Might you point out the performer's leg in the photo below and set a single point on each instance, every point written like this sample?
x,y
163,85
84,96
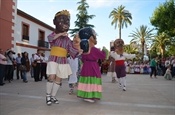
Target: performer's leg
x,y
71,86
124,83
56,86
49,87
120,82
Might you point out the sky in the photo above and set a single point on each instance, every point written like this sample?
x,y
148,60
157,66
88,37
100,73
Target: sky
x,y
141,11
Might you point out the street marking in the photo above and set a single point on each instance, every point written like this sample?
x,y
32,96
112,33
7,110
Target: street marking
x,y
103,103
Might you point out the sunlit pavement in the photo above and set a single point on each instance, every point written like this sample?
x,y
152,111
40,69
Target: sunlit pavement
x,y
143,96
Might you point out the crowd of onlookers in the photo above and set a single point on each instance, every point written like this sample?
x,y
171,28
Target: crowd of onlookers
x,y
37,63
137,67
19,63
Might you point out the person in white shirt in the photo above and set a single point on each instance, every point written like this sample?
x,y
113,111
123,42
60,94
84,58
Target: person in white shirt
x,y
10,65
73,78
32,68
3,62
173,66
43,66
37,68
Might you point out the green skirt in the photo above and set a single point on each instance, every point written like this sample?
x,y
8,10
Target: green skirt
x,y
89,87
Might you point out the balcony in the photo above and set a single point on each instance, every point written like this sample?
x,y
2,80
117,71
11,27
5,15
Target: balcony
x,y
42,43
25,38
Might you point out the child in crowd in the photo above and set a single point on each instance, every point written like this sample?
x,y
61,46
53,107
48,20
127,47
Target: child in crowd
x,y
73,77
168,75
111,68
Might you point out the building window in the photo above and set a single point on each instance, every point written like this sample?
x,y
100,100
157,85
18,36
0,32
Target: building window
x,y
41,39
25,32
41,35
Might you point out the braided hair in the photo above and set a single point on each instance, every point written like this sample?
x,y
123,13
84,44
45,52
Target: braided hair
x,y
85,34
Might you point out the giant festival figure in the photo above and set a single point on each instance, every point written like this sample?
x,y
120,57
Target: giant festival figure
x,y
120,56
61,45
90,82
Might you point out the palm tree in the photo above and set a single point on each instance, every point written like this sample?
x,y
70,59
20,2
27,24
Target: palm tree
x,y
160,42
120,17
130,49
142,36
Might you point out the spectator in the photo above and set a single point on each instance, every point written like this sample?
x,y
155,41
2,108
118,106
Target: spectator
x,y
3,62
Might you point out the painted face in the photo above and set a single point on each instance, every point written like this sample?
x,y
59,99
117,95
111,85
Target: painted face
x,y
62,23
118,43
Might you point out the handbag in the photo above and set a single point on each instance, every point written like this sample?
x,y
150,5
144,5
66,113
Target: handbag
x,y
34,64
22,68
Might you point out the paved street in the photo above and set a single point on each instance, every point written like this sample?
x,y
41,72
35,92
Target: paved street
x,y
144,96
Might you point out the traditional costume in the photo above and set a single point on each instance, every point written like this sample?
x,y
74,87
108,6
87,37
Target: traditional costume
x,y
120,57
57,66
73,78
90,82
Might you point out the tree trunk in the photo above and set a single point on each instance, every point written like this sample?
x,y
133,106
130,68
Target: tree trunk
x,y
120,27
143,47
162,52
162,49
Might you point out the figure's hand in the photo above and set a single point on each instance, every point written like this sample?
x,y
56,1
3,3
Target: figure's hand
x,y
80,51
60,34
63,34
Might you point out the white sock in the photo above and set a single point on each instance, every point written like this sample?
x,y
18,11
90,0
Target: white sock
x,y
49,86
124,81
120,81
55,89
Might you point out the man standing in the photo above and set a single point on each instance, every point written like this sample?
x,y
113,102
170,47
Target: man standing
x,y
18,63
3,62
37,68
10,64
153,65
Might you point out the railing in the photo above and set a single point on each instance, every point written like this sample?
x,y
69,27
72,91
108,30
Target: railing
x,y
24,37
42,43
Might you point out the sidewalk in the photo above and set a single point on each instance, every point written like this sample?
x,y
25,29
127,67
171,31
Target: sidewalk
x,y
143,96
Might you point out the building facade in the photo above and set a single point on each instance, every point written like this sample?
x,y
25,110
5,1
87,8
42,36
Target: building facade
x,y
20,31
7,21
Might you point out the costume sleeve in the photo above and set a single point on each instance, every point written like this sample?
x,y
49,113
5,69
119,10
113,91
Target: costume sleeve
x,y
50,39
129,56
112,54
72,51
100,54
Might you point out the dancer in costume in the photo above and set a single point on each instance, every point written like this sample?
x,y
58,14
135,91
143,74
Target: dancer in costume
x,y
111,69
73,77
90,82
74,64
57,66
119,55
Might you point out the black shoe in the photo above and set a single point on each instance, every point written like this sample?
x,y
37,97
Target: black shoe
x,y
25,81
54,100
2,84
48,100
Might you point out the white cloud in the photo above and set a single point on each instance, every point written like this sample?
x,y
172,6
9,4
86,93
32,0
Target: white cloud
x,y
105,3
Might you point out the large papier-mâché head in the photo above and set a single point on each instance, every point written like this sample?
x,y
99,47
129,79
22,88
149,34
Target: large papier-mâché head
x,y
119,45
62,21
85,34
